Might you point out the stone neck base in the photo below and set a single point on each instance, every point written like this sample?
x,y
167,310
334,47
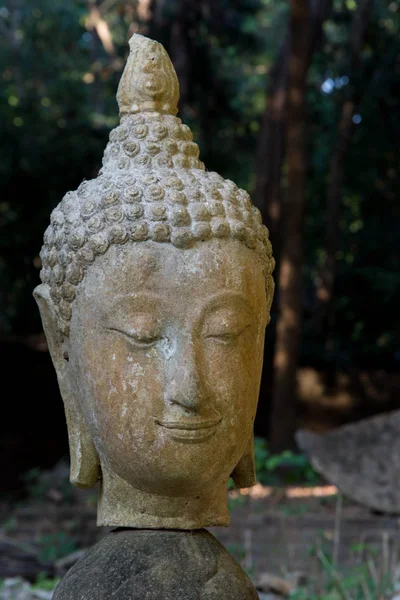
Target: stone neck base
x,y
156,565
122,505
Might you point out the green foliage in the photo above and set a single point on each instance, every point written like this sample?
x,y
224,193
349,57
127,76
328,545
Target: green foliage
x,y
43,582
9,524
56,545
54,129
21,588
355,583
278,469
358,333
369,579
285,468
38,483
294,510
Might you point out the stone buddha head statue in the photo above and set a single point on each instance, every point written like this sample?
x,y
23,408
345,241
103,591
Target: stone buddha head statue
x,y
156,291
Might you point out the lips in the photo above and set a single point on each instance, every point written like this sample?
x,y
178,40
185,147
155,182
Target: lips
x,y
190,430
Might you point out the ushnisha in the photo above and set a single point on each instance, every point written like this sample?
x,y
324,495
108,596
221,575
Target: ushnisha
x,y
156,291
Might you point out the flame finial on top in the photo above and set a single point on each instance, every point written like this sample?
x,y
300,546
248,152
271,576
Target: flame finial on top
x,y
149,82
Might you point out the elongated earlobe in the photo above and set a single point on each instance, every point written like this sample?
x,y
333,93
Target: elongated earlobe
x,y
244,474
85,469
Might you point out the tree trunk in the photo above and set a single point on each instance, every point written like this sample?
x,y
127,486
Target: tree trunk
x,y
271,145
271,141
326,278
305,27
291,229
268,193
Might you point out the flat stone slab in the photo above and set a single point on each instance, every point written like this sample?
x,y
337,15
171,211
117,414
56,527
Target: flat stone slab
x,y
134,564
362,459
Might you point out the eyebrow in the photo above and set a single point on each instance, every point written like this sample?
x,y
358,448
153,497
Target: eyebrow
x,y
137,298
236,297
134,295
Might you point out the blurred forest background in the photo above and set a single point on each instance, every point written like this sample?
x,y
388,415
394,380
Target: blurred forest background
x,y
297,102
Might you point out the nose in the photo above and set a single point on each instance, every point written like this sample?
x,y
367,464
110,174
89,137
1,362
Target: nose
x,y
184,384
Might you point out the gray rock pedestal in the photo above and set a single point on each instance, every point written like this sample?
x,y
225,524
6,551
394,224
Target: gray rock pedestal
x,y
143,564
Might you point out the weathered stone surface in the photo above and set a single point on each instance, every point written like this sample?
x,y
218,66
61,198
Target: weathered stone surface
x,y
156,565
156,293
362,459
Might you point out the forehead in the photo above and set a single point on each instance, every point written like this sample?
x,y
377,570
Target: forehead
x,y
170,272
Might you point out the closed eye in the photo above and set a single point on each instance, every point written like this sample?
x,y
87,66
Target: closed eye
x,y
227,336
141,340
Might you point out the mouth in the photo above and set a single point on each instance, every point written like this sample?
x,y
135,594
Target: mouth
x,y
190,431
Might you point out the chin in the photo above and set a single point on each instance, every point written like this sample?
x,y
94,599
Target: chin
x,y
183,480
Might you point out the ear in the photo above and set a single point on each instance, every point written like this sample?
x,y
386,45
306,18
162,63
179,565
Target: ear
x,y
270,289
244,474
85,468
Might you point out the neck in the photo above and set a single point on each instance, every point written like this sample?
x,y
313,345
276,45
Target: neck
x,y
122,505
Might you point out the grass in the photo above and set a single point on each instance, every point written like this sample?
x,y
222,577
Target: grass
x,y
43,582
374,573
370,580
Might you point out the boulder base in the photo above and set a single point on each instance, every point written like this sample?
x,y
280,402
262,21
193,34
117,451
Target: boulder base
x,y
143,564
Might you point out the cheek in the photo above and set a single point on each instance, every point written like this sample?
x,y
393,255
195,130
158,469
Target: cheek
x,y
122,386
233,373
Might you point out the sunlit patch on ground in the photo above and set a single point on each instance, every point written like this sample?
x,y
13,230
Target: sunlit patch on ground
x,y
264,491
